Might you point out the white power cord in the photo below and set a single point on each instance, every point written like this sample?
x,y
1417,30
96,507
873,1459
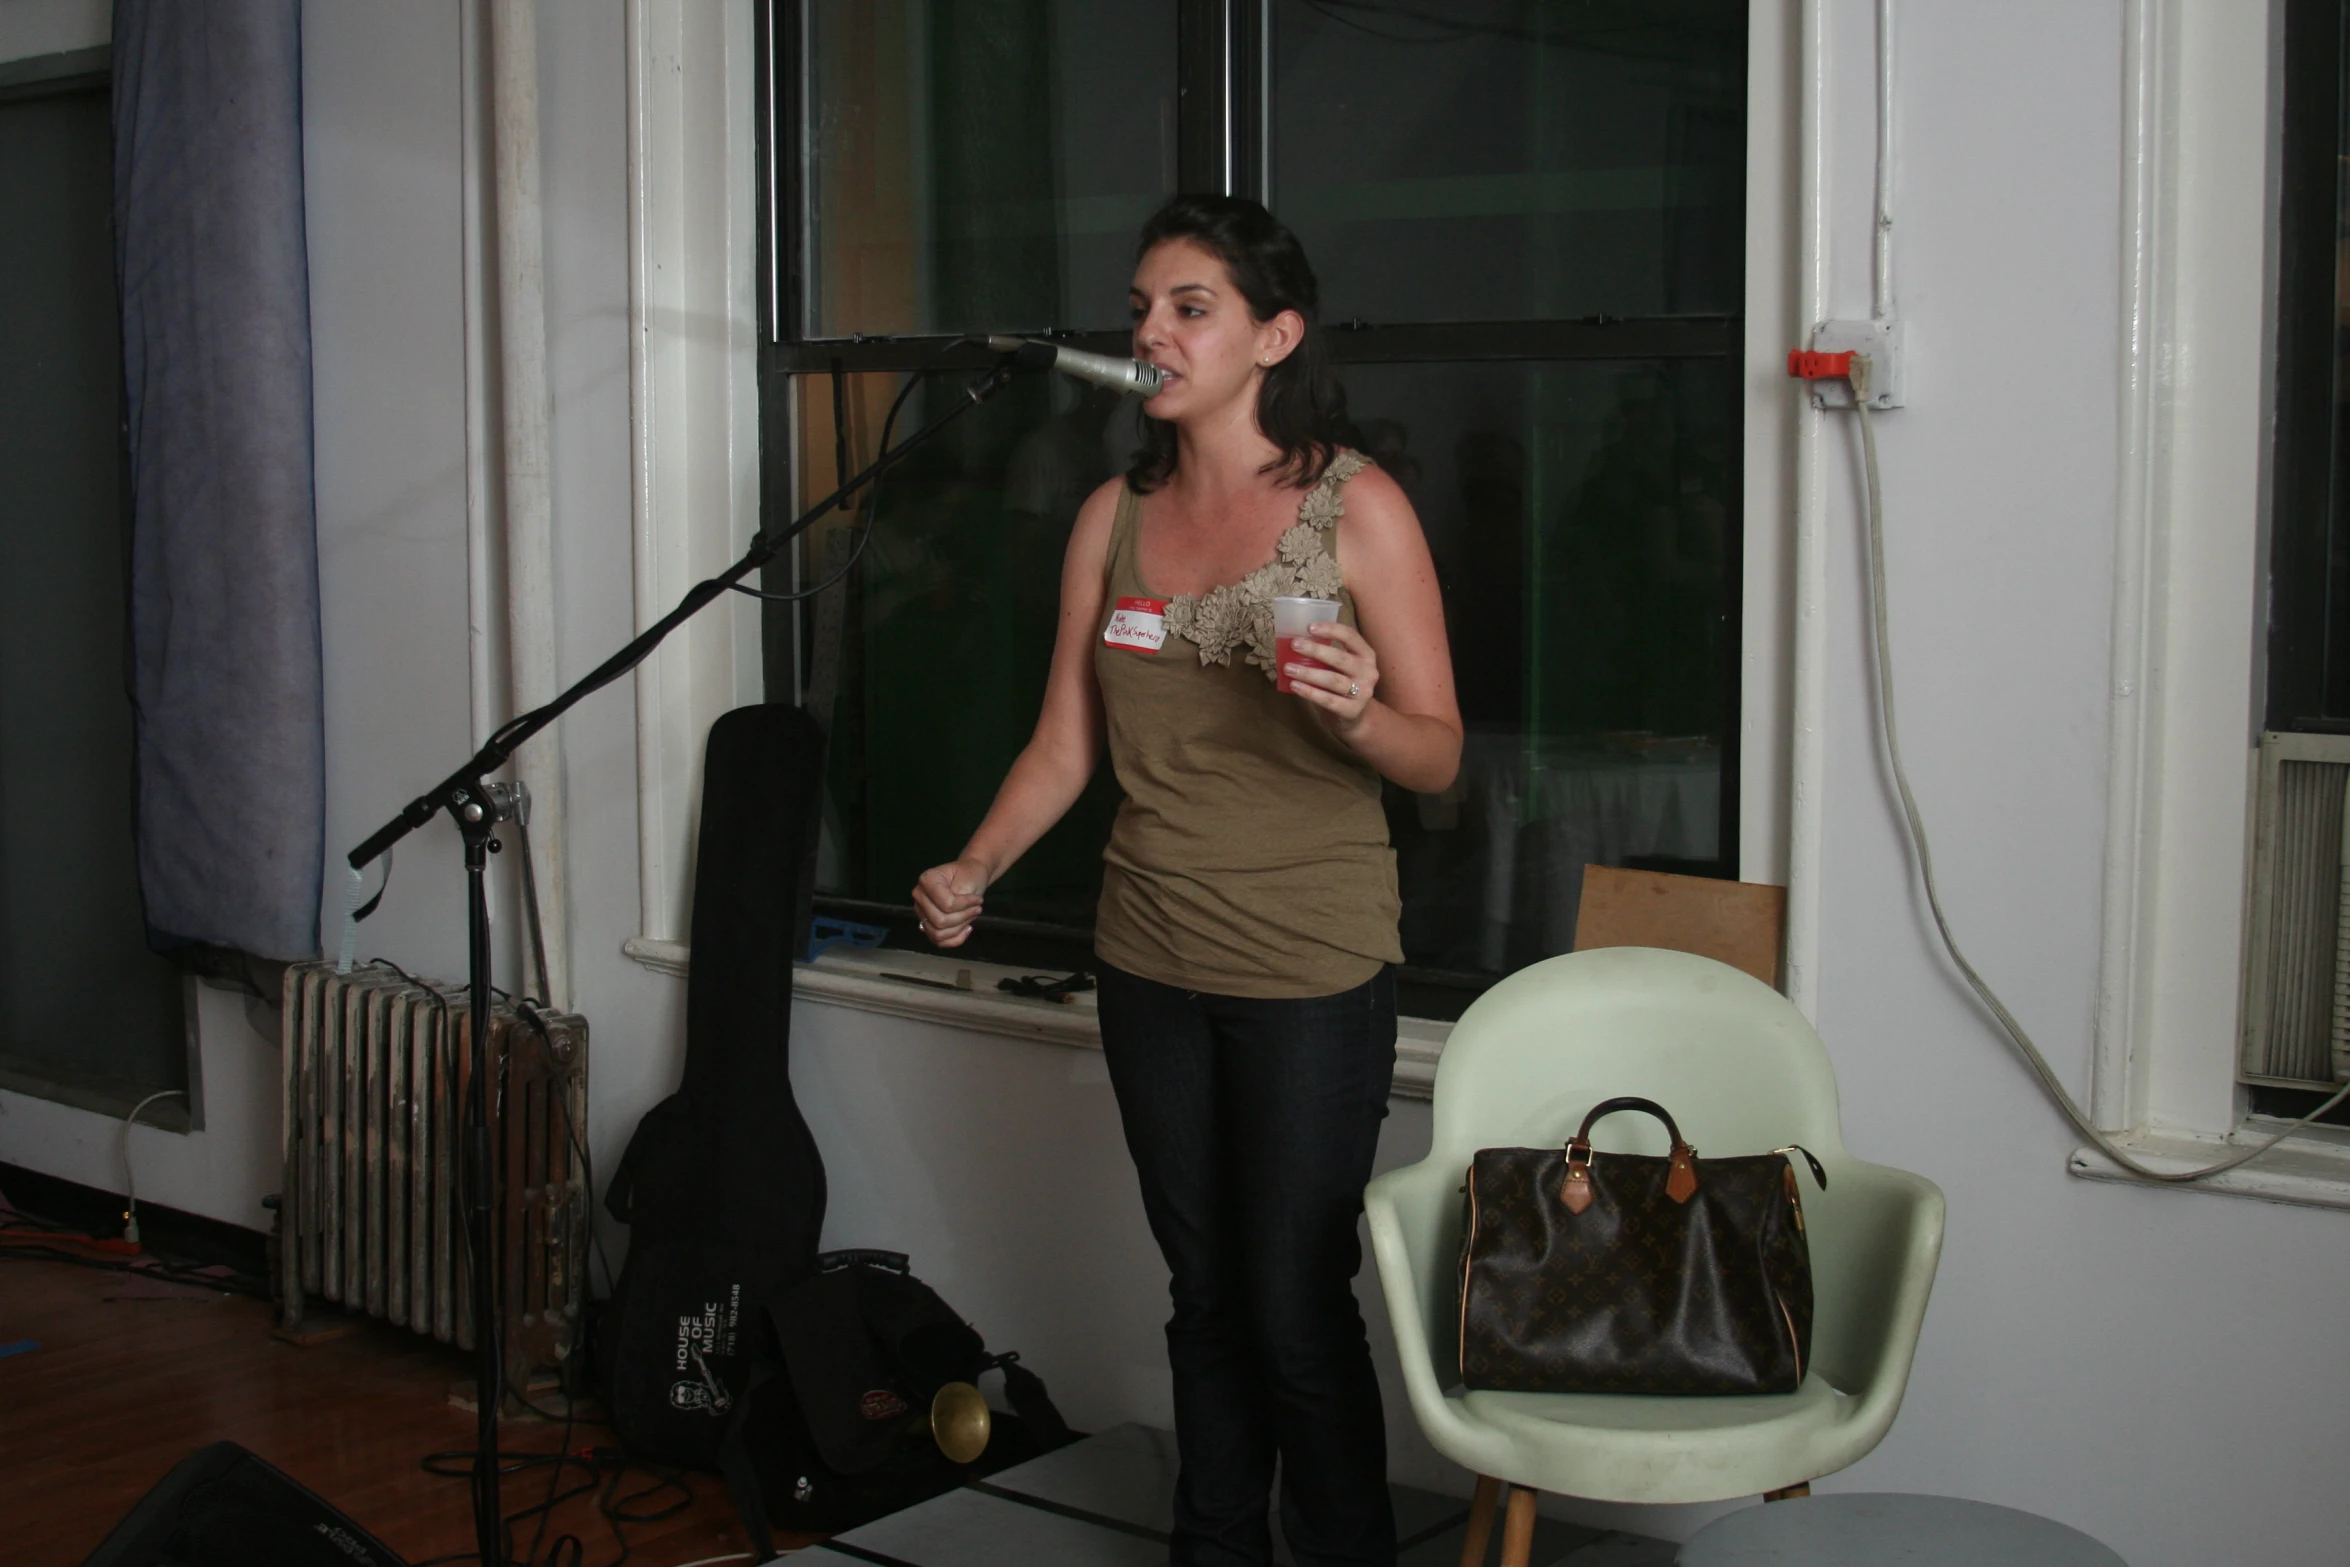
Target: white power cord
x,y
1881,250
1859,376
130,1193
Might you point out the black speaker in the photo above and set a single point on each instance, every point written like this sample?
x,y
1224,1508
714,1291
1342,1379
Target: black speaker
x,y
223,1507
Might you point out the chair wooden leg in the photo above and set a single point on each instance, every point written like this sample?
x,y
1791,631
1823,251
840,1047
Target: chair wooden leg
x,y
1517,1534
1480,1522
1799,1488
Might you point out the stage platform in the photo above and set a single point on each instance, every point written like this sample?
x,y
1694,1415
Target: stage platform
x,y
1107,1502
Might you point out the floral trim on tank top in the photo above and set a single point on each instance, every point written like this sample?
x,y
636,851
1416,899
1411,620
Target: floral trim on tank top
x,y
1239,615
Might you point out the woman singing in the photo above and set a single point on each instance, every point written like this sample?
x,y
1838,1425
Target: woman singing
x,y
1247,925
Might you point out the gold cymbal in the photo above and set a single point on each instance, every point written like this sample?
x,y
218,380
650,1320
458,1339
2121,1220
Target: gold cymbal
x,y
960,1422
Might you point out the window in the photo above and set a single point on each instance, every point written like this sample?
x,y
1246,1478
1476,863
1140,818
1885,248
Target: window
x,y
2297,975
2308,675
2199,486
88,1015
976,167
1528,217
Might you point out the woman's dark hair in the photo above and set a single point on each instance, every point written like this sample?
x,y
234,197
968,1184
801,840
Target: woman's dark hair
x,y
1300,405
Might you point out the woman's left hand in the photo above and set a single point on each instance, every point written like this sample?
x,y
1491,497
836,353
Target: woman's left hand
x,y
1343,691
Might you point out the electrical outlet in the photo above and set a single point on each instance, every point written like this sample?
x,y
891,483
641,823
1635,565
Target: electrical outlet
x,y
1881,341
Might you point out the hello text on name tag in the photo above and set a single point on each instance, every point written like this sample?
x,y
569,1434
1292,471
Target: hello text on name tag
x,y
1137,623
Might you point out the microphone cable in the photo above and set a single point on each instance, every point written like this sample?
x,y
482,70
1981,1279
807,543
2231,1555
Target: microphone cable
x,y
872,492
1874,541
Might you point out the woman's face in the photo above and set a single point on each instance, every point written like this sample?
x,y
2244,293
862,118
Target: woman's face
x,y
1192,323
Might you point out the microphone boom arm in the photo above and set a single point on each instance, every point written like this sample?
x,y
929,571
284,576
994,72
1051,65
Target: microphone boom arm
x,y
464,786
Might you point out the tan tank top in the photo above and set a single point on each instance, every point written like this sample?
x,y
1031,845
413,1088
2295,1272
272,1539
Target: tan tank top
x,y
1250,856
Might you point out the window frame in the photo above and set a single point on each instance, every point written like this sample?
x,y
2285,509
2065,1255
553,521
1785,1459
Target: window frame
x,y
2195,498
2308,534
695,435
1223,144
23,79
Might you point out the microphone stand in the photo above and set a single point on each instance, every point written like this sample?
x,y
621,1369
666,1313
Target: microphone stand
x,y
477,806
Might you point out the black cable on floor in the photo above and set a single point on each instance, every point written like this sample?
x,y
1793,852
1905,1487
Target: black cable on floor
x,y
567,1550
147,1265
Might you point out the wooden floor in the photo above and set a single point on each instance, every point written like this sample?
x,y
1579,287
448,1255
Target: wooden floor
x,y
134,1374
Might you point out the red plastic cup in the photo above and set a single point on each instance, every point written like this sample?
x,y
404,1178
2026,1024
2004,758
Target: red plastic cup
x,y
1292,618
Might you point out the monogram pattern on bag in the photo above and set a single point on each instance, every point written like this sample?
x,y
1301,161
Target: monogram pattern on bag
x,y
1638,1293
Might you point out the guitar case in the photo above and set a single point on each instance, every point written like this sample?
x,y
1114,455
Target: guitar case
x,y
722,1186
729,1343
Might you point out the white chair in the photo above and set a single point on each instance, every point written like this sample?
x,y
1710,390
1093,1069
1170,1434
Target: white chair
x,y
1742,1073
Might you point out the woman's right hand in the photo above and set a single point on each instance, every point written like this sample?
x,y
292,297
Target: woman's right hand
x,y
1053,769
948,898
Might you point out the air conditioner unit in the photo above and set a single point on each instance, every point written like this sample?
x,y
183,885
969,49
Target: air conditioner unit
x,y
2297,960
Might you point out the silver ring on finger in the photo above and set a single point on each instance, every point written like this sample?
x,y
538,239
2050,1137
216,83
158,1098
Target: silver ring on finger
x,y
1354,688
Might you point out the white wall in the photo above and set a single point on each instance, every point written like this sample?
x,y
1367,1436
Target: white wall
x,y
388,128
2157,1368
2151,1366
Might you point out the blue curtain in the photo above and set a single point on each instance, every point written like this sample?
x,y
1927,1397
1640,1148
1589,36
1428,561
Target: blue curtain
x,y
224,657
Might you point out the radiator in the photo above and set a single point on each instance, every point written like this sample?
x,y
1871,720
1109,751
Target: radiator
x,y
376,1069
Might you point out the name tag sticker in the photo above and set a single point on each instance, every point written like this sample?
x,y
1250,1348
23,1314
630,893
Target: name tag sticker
x,y
1140,624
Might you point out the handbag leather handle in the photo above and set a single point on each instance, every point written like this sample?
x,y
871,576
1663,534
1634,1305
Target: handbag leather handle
x,y
1608,1107
1680,1181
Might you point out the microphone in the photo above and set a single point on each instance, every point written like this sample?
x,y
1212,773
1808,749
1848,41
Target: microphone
x,y
1119,375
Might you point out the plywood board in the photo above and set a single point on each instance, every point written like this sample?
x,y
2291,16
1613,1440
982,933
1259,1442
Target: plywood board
x,y
1735,922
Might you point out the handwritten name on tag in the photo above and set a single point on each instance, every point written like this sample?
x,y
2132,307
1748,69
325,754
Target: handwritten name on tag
x,y
1140,624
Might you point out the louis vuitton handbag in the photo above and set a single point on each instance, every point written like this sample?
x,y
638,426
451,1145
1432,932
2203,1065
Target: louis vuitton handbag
x,y
1589,1272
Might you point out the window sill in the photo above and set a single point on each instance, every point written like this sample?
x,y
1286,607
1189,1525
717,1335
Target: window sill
x,y
926,987
98,1095
2311,1169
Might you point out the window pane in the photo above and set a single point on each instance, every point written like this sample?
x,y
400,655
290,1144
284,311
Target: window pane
x,y
2308,599
1493,160
950,628
82,1000
1583,521
982,165
1582,518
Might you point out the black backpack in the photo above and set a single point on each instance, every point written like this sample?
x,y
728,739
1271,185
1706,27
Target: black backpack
x,y
838,1430
723,1189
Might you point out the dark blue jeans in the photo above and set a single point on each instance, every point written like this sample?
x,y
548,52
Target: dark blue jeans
x,y
1253,1125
